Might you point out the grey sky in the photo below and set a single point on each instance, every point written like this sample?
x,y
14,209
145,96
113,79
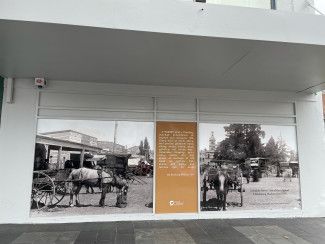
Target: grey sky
x,y
288,134
128,133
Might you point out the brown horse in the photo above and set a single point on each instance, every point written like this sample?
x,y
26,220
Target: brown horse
x,y
91,178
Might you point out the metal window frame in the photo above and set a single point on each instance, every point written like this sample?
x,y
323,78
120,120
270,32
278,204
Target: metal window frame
x,y
155,112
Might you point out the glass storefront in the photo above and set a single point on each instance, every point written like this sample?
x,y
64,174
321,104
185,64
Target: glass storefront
x,y
99,167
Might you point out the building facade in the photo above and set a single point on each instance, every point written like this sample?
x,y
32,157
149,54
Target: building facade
x,y
73,136
110,147
186,81
207,155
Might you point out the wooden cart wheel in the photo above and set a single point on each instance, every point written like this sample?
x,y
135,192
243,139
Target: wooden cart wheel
x,y
60,192
43,190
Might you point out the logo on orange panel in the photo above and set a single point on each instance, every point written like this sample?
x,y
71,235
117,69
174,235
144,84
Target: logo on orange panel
x,y
176,203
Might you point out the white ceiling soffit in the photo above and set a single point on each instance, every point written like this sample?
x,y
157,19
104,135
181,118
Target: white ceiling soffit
x,y
176,17
65,52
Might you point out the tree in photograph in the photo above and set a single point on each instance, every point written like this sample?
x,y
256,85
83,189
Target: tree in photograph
x,y
242,141
146,148
271,149
141,148
271,152
283,151
293,155
254,145
276,152
227,151
223,150
146,145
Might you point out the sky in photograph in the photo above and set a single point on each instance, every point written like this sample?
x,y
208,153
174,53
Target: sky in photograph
x,y
131,133
128,133
288,134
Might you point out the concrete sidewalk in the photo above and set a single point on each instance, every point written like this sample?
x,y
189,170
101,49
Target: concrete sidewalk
x,y
242,231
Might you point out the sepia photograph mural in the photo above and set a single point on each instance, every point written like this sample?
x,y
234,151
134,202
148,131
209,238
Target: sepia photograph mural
x,y
248,167
92,167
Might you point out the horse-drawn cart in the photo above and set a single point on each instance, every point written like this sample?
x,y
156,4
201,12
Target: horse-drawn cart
x,y
48,187
233,181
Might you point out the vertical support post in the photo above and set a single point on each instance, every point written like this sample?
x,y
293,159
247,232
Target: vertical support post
x,y
82,157
273,4
115,131
155,155
59,157
198,164
48,154
10,90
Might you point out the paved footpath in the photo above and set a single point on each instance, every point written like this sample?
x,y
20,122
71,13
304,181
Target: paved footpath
x,y
241,231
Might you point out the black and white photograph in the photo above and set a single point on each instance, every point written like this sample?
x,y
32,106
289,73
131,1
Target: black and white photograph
x,y
85,167
248,167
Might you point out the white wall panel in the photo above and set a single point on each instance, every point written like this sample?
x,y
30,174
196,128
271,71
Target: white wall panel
x,y
311,151
263,4
222,118
246,107
74,100
96,114
176,116
176,104
17,143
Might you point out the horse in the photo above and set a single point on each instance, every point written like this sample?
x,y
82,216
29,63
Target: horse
x,y
221,185
89,165
74,164
91,178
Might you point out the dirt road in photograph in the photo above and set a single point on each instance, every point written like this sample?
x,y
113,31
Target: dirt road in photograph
x,y
138,198
268,193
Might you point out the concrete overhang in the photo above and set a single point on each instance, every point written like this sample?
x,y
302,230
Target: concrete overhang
x,y
228,48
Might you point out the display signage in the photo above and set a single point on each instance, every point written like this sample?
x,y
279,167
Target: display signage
x,y
176,165
89,167
248,167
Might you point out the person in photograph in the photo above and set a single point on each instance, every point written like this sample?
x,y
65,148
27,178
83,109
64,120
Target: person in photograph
x,y
40,162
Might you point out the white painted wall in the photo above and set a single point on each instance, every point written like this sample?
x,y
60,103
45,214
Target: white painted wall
x,y
298,6
17,134
18,128
263,4
176,16
310,132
